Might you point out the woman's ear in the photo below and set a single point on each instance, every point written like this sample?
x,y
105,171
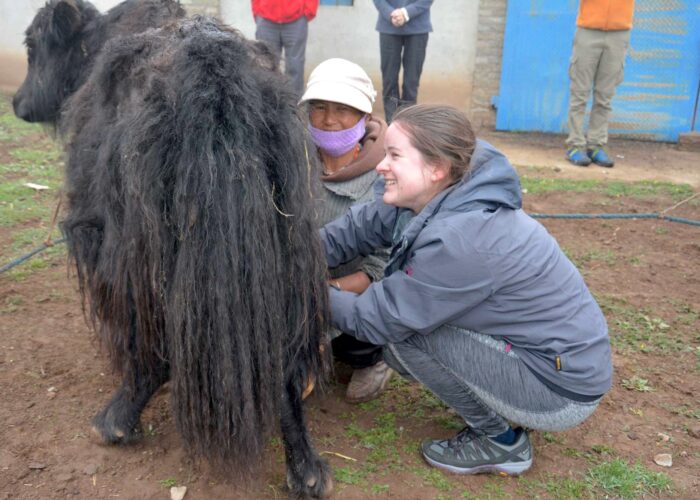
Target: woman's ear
x,y
440,171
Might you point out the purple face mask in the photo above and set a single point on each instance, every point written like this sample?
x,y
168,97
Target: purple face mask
x,y
337,143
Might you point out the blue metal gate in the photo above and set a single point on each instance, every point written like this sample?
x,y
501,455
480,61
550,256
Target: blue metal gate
x,y
658,98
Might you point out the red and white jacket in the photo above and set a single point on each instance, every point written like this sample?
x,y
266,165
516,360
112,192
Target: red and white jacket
x,y
284,11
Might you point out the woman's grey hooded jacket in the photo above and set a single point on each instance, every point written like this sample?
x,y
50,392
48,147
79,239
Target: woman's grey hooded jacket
x,y
474,260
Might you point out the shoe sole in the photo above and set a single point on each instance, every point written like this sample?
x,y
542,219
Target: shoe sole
x,y
510,469
579,164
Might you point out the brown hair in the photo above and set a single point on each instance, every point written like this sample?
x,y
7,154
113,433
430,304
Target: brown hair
x,y
441,134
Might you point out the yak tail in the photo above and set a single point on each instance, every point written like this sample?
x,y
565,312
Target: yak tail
x,y
193,154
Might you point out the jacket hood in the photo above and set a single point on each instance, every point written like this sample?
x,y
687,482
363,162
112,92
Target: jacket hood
x,y
492,183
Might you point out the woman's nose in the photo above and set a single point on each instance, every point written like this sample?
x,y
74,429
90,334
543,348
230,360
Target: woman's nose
x,y
381,166
329,118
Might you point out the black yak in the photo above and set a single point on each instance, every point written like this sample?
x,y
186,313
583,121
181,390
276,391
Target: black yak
x,y
63,41
191,224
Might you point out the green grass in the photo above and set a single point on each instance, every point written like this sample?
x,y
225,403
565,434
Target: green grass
x,y
617,189
583,259
619,479
433,477
382,434
633,329
11,127
566,488
349,475
636,383
168,483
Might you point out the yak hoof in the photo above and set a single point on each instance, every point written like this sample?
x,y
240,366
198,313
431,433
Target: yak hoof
x,y
107,430
315,483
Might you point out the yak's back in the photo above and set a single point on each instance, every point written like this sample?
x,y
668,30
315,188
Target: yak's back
x,y
137,16
191,220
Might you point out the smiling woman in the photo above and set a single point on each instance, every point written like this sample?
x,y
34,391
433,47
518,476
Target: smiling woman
x,y
427,150
478,302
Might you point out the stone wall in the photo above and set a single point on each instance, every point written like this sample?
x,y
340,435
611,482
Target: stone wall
x,y
487,69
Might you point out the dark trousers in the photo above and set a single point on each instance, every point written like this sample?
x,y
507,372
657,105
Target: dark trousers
x,y
355,353
394,51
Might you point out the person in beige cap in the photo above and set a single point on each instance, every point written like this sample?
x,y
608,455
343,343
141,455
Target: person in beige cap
x,y
350,143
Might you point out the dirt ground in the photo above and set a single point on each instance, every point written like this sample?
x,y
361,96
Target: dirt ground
x,y
644,273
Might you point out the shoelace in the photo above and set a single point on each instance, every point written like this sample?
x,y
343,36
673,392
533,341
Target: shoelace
x,y
463,437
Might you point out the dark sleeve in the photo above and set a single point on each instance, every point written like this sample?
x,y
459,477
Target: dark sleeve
x,y
417,8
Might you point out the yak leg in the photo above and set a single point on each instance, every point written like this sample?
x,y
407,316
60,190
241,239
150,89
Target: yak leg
x,y
119,421
308,475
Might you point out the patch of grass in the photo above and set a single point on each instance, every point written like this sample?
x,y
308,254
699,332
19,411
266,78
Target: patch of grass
x,y
369,405
584,259
168,483
617,189
12,304
620,479
380,489
633,329
11,127
433,477
449,422
635,260
574,453
567,488
602,449
429,400
550,438
19,204
380,440
636,383
687,315
349,475
686,410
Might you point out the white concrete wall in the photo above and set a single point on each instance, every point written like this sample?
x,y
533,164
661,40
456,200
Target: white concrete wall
x,y
349,32
15,18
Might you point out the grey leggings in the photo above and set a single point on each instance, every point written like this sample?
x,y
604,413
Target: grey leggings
x,y
484,381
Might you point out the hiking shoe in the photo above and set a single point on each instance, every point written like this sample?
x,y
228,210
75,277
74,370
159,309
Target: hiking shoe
x,y
368,383
600,157
578,157
472,453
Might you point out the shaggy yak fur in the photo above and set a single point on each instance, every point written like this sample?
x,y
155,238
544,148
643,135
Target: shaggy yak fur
x,y
190,220
63,41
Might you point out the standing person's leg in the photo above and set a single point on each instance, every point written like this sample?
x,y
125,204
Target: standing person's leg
x,y
390,47
586,53
610,73
413,59
269,32
487,384
294,36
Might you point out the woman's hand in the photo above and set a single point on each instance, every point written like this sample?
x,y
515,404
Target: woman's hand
x,y
397,18
356,282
